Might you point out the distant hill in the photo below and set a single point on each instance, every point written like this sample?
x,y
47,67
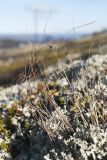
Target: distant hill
x,y
24,38
9,43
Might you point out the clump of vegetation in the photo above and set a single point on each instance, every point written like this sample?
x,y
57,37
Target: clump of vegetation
x,y
51,106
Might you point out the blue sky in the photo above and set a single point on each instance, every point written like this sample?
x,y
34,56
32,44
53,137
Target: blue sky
x,y
16,16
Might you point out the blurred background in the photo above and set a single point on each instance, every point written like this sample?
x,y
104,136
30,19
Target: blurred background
x,y
30,26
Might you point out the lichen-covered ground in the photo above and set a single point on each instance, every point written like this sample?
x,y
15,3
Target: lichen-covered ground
x,y
62,116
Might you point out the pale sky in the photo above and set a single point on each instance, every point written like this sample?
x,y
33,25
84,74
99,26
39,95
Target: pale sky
x,y
16,16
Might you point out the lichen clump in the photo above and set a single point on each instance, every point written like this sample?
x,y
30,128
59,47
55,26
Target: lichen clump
x,y
58,116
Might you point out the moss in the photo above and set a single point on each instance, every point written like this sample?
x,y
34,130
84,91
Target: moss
x,y
3,129
8,122
81,102
41,87
61,100
2,126
51,85
74,108
52,92
4,146
26,125
14,103
12,110
4,105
